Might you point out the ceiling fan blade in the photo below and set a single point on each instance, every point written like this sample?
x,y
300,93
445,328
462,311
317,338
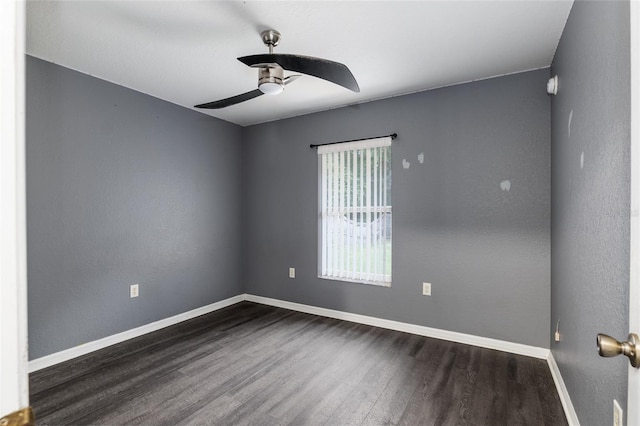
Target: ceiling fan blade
x,y
222,103
334,72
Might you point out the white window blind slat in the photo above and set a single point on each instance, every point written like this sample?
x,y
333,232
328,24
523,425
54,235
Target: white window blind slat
x,y
323,214
339,214
334,215
384,202
368,201
361,214
376,223
345,220
354,214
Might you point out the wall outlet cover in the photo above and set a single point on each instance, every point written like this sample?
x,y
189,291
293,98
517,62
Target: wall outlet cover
x,y
292,272
426,289
617,414
134,291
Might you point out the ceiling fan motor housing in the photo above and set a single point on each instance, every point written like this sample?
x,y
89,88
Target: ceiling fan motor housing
x,y
271,80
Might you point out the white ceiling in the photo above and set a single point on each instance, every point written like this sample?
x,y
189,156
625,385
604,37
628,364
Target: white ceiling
x,y
185,51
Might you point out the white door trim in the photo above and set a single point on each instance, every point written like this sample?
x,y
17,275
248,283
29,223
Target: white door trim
x,y
14,391
633,398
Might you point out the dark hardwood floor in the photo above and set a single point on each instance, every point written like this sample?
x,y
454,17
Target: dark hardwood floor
x,y
250,364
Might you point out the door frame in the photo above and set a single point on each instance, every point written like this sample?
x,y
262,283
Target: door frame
x,y
14,392
633,390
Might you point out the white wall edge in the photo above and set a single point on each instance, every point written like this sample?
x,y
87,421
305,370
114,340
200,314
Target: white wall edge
x,y
14,392
67,354
565,399
420,330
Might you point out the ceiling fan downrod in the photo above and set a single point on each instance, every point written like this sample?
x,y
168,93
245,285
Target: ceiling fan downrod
x,y
271,78
270,38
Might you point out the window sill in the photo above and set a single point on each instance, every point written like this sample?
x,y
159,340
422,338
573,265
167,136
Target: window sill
x,y
373,283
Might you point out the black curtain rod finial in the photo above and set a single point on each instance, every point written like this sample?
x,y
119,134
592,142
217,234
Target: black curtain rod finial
x,y
392,136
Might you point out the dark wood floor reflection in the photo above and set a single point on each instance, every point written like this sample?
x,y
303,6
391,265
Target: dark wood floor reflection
x,y
250,364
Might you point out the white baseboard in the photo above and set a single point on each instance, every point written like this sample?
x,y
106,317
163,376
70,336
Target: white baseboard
x,y
420,330
569,411
67,354
469,339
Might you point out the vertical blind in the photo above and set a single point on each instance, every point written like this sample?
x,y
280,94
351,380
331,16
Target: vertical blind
x,y
355,211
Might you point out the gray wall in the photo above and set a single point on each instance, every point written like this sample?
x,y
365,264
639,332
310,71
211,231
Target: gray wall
x,y
590,216
486,251
123,188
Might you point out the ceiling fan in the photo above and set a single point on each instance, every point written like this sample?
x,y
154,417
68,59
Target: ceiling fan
x,y
271,66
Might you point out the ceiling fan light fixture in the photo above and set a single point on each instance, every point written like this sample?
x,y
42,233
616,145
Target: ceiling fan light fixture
x,y
271,80
270,88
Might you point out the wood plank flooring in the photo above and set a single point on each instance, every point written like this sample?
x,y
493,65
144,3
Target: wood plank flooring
x,y
250,364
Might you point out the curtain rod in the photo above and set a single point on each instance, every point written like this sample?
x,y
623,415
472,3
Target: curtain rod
x,y
392,136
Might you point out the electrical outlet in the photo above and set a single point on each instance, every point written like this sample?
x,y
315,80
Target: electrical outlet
x,y
426,289
617,414
292,272
133,291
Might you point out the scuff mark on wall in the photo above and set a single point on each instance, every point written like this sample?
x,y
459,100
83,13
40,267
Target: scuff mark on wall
x,y
569,123
505,185
421,157
405,164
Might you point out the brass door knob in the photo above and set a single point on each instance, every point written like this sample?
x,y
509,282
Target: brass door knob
x,y
608,346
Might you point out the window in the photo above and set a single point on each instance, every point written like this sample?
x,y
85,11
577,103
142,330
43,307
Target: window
x,y
355,211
